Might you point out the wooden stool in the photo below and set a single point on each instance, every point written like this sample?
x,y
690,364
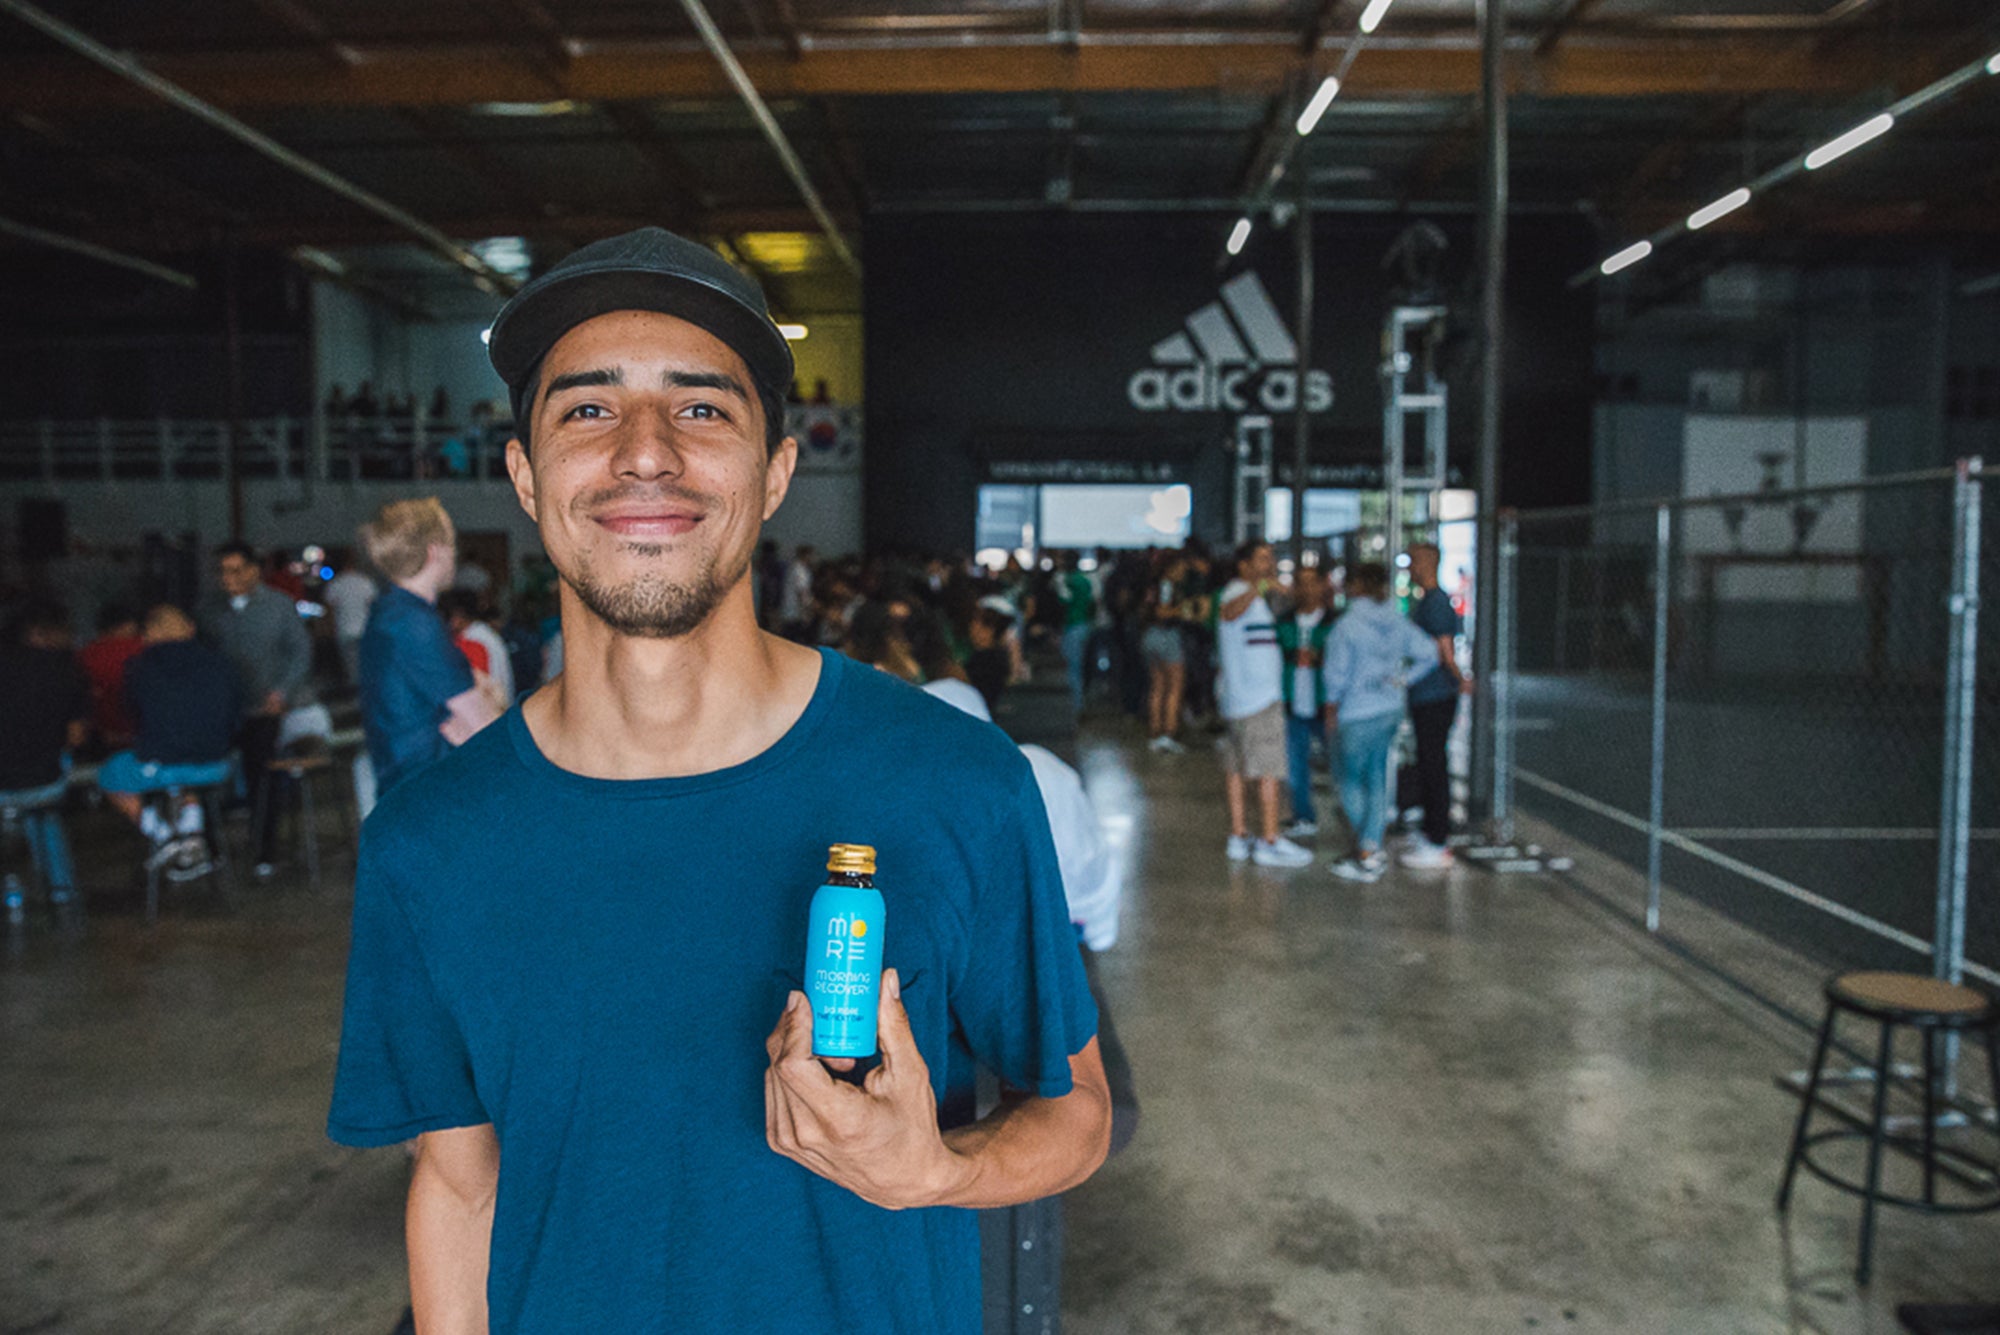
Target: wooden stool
x,y
303,770
1935,1009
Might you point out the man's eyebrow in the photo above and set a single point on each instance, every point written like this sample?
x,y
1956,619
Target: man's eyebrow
x,y
721,380
608,375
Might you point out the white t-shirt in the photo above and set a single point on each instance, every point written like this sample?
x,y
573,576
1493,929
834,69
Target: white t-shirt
x,y
349,595
1249,664
500,667
962,694
1090,879
1305,680
1089,873
795,600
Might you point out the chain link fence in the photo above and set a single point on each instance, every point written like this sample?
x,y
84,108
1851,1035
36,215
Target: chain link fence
x,y
1773,704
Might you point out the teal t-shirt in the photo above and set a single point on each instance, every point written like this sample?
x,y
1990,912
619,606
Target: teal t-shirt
x,y
593,965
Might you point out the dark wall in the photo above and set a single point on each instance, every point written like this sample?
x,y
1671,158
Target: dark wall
x,y
83,339
1001,347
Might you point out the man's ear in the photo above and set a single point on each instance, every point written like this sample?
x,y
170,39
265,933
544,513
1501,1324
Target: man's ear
x,y
522,471
778,470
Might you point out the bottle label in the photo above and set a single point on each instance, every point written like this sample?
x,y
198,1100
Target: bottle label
x,y
844,978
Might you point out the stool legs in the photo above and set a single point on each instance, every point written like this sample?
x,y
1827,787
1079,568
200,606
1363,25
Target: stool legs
x,y
1876,1132
1932,1037
311,820
1805,1109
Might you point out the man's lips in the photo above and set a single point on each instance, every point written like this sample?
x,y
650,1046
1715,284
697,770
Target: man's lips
x,y
649,523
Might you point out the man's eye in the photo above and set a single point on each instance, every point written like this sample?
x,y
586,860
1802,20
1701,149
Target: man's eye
x,y
707,412
583,411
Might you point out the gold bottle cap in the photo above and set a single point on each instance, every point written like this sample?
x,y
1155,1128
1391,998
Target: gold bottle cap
x,y
855,859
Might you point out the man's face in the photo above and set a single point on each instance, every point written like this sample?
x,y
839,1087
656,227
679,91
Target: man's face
x,y
649,478
236,575
1423,564
1262,565
1311,592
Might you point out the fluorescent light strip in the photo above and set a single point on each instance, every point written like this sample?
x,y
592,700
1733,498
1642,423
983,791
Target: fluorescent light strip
x,y
1993,65
1626,258
792,332
1371,17
1728,204
1238,235
1321,100
1872,128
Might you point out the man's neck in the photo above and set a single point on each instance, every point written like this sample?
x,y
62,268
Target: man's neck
x,y
422,585
632,708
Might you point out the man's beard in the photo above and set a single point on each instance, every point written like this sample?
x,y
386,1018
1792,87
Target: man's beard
x,y
653,607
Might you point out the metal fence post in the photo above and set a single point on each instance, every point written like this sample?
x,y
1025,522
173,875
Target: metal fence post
x,y
1505,629
1961,665
1663,576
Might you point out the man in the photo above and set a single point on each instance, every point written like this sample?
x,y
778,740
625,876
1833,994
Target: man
x,y
603,1050
349,595
47,714
104,658
1433,699
185,701
258,630
795,596
1078,598
418,697
1250,695
464,618
1302,633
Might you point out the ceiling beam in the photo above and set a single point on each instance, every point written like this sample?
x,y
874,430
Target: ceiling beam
x,y
633,71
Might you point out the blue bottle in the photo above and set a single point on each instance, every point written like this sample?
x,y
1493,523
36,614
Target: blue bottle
x,y
843,970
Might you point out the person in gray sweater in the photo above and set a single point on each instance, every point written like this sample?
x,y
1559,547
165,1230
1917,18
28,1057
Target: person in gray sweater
x,y
259,631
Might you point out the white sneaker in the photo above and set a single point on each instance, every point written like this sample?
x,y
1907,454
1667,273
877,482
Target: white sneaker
x,y
1169,746
1239,847
1355,869
1423,855
1375,863
188,820
1302,829
1280,852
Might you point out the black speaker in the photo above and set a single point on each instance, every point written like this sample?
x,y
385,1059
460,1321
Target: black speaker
x,y
44,528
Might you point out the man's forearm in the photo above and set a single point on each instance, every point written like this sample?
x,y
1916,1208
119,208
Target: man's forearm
x,y
1035,1147
449,1235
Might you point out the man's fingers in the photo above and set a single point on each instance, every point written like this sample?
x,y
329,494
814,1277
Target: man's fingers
x,y
893,1038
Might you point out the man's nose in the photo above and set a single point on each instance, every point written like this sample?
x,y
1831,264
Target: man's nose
x,y
648,446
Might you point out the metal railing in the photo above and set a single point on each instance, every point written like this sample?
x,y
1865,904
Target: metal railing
x,y
321,448
1771,703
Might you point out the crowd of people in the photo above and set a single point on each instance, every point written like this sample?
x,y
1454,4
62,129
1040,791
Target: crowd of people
x,y
1291,674
1287,671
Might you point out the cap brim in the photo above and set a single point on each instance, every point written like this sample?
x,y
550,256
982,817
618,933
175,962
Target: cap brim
x,y
524,334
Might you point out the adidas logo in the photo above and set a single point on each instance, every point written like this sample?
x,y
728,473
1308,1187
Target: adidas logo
x,y
1236,356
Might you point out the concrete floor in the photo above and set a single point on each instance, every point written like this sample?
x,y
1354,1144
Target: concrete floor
x,y
1438,1104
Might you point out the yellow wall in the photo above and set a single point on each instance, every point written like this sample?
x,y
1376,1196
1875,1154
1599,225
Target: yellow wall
x,y
830,351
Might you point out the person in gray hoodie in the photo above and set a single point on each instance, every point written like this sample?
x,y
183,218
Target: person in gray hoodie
x,y
1370,656
258,630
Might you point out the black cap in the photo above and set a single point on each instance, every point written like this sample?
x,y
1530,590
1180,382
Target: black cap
x,y
647,270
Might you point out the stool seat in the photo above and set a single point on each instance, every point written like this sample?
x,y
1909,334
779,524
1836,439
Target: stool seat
x,y
297,765
1910,998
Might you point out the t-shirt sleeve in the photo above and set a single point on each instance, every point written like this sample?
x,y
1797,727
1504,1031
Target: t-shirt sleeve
x,y
404,1067
1436,616
1021,1000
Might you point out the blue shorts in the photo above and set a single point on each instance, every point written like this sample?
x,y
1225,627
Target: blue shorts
x,y
126,773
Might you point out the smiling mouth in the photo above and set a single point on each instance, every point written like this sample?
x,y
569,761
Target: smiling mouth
x,y
650,525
